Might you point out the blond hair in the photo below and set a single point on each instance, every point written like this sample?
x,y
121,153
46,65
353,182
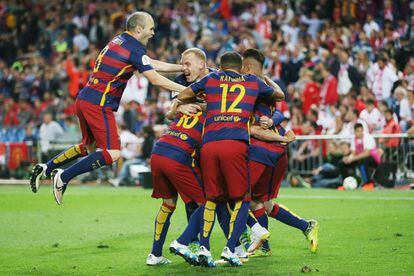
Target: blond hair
x,y
197,52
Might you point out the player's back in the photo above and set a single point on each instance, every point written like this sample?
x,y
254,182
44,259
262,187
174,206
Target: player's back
x,y
230,101
182,138
262,151
113,68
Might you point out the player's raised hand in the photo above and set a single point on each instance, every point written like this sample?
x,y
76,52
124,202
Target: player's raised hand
x,y
189,109
265,122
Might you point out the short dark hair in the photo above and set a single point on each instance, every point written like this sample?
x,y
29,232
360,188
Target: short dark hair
x,y
370,101
254,54
358,125
231,60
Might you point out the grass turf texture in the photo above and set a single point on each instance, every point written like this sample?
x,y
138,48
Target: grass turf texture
x,y
103,230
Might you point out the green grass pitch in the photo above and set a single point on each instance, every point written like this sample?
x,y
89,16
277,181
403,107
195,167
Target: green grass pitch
x,y
103,230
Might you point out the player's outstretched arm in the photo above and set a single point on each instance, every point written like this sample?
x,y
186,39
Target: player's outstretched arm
x,y
161,66
187,109
270,136
186,95
279,95
158,80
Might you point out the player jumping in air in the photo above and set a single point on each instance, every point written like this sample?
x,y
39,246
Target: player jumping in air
x,y
96,102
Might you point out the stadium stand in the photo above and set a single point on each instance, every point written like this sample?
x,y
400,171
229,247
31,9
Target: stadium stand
x,y
339,62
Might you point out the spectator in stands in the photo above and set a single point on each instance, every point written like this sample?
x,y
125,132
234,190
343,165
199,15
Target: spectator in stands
x,y
370,25
49,131
328,90
403,108
371,116
352,119
130,153
346,73
391,127
380,78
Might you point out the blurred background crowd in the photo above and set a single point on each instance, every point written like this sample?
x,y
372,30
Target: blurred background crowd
x,y
338,62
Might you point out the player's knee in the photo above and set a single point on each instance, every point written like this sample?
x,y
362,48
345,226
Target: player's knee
x,y
115,154
268,206
82,149
170,201
255,205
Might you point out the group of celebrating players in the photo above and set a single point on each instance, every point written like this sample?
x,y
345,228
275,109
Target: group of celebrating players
x,y
224,152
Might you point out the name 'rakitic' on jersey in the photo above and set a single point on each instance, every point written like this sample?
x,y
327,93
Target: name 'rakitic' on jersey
x,y
230,79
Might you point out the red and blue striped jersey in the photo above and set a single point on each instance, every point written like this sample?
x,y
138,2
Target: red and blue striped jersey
x,y
181,79
230,101
267,153
182,139
114,66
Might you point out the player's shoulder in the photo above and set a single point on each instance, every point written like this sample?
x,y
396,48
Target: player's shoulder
x,y
181,79
129,43
250,77
211,70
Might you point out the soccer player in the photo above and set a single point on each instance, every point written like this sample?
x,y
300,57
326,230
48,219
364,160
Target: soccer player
x,y
268,162
230,101
174,169
96,102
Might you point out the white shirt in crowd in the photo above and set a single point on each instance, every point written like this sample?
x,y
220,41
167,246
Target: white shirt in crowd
x,y
135,90
371,26
348,128
327,122
130,144
405,110
344,83
368,142
371,118
49,132
81,42
380,81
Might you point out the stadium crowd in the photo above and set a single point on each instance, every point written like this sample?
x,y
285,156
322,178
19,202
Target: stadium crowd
x,y
338,62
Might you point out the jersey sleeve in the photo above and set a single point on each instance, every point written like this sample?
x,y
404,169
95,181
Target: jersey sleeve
x,y
140,61
277,117
264,90
200,85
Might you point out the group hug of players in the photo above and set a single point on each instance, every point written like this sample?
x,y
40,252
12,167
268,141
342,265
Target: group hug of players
x,y
225,154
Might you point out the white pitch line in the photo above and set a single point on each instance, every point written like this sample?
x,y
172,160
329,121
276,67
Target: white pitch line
x,y
347,197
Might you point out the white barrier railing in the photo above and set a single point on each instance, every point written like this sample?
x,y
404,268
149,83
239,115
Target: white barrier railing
x,y
402,154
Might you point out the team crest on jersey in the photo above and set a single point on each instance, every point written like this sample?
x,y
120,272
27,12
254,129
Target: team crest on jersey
x,y
117,40
145,60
